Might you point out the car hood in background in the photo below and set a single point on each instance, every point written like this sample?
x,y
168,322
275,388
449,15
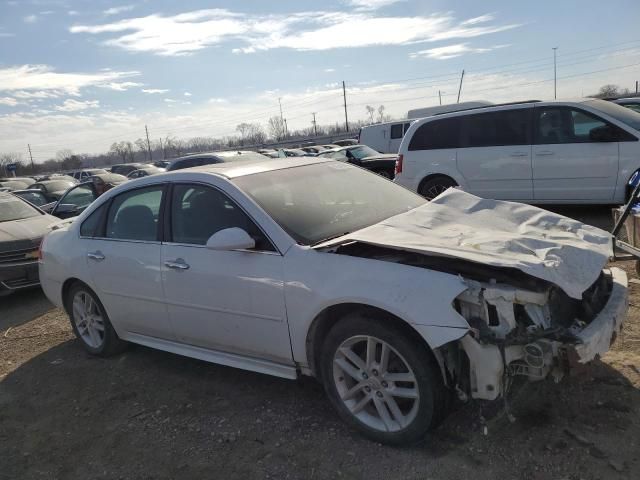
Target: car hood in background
x,y
19,234
457,224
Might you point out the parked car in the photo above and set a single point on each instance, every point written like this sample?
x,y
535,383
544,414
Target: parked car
x,y
346,142
316,267
53,189
26,180
34,197
314,149
145,172
126,168
199,159
633,103
79,197
330,146
539,152
161,163
296,152
365,157
82,175
13,184
384,137
22,227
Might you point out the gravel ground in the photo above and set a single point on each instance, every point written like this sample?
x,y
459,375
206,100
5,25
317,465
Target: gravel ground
x,y
146,414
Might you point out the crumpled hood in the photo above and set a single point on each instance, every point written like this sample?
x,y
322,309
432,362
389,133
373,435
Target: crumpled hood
x,y
457,224
14,232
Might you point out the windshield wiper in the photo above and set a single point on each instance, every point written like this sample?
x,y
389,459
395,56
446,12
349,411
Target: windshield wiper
x,y
330,238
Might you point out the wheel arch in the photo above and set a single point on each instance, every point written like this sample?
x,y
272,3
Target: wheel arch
x,y
329,316
431,176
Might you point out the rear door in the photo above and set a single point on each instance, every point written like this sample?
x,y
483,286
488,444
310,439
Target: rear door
x,y
568,164
495,154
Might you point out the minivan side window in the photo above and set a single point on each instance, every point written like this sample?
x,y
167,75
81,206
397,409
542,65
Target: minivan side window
x,y
493,129
134,215
396,131
436,134
557,125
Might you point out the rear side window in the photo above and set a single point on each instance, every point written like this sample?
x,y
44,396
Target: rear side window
x,y
436,134
396,131
134,215
508,127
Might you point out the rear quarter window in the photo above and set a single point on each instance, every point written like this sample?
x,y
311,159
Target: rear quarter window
x,y
436,134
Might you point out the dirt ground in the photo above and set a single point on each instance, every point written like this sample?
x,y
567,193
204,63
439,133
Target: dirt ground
x,y
146,414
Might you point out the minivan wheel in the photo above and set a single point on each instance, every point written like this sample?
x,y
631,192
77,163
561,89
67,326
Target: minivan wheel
x,y
433,187
380,381
90,322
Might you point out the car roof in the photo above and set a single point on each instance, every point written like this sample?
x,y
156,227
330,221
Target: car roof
x,y
251,167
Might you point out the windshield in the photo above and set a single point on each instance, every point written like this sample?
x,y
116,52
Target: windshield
x,y
363,151
620,113
35,197
317,202
12,208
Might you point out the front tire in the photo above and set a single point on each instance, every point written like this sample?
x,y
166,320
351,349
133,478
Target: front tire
x,y
434,186
90,322
380,380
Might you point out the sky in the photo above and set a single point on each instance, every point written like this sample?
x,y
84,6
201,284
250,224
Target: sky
x,y
82,74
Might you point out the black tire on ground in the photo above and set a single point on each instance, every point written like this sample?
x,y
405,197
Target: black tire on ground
x,y
433,397
110,343
434,186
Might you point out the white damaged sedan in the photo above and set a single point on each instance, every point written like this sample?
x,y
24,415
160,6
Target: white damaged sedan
x,y
315,267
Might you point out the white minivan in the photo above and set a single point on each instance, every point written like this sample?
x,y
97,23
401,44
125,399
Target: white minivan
x,y
574,152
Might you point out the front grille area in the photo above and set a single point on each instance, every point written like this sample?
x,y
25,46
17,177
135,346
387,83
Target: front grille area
x,y
19,283
25,255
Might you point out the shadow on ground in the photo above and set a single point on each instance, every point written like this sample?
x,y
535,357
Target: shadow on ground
x,y
22,306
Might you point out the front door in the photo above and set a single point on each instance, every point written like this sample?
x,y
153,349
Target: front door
x,y
229,301
568,162
124,262
495,154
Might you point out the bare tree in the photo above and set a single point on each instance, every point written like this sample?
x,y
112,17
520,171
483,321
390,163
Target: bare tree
x,y
119,149
143,148
611,91
381,113
276,127
62,155
6,159
371,112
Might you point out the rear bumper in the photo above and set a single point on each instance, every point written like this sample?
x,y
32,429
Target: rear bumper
x,y
18,276
596,338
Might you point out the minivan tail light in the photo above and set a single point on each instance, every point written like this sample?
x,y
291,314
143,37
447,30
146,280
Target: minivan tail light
x,y
399,164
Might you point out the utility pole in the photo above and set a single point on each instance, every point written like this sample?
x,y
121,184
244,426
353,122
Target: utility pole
x,y
148,144
315,126
280,103
636,86
460,87
286,130
440,97
344,95
162,148
555,77
31,157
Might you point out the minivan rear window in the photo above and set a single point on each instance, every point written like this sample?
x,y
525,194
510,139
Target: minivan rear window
x,y
492,129
436,134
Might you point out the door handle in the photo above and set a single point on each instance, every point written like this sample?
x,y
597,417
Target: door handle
x,y
97,256
544,152
178,264
519,154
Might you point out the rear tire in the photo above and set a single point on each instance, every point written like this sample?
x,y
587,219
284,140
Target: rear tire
x,y
434,186
90,322
380,380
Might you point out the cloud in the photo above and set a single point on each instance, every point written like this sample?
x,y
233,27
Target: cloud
x,y
217,100
154,90
117,10
30,19
187,94
44,78
8,101
329,70
170,100
121,86
71,105
370,4
189,32
73,13
452,51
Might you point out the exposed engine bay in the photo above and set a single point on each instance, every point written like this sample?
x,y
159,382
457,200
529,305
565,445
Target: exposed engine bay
x,y
519,325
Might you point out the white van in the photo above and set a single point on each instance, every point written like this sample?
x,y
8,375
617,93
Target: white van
x,y
384,137
539,152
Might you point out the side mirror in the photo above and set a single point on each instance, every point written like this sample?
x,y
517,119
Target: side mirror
x,y
603,134
231,239
66,208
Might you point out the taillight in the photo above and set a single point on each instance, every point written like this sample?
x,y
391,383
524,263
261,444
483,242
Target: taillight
x,y
40,249
399,164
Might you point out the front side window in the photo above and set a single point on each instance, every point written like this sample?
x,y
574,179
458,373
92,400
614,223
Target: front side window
x,y
197,212
557,125
396,131
436,134
81,197
134,215
492,129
